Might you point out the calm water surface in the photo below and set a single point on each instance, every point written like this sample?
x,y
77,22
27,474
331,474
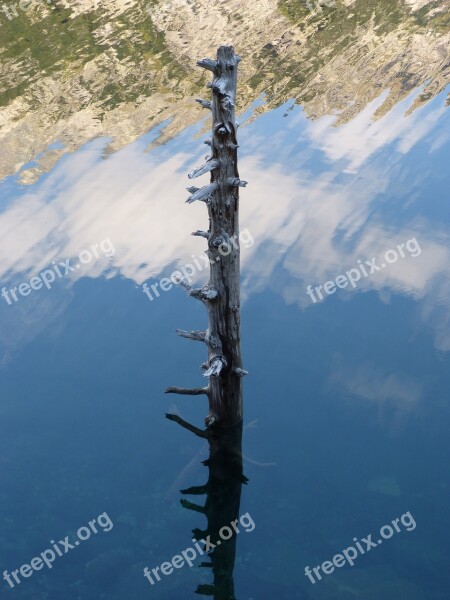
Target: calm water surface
x,y
347,400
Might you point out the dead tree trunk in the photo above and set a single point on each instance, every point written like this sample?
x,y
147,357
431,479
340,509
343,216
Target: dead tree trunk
x,y
221,295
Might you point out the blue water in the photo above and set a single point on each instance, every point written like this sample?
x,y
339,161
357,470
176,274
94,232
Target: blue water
x,y
349,394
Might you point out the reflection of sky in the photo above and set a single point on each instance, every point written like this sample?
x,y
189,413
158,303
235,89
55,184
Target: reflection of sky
x,y
350,398
319,198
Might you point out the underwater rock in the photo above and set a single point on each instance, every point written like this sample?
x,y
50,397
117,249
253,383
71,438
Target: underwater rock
x,y
385,485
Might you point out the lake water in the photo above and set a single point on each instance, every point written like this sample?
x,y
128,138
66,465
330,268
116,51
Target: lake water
x,y
346,402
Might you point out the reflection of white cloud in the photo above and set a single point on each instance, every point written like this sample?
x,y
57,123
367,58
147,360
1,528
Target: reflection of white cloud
x,y
304,219
359,139
134,202
393,395
315,226
21,323
435,311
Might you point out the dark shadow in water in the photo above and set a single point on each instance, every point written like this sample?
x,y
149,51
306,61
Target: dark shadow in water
x,y
223,499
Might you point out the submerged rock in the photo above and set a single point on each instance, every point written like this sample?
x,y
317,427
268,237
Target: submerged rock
x,y
388,486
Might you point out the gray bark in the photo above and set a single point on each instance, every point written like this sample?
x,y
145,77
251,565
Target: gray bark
x,y
221,295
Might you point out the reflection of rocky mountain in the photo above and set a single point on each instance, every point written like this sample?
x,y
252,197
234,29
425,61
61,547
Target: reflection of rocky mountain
x,y
86,68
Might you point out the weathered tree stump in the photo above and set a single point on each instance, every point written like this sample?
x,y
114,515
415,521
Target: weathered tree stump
x,y
221,295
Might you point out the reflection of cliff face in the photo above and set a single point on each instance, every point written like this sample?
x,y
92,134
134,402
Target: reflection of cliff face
x,y
88,68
